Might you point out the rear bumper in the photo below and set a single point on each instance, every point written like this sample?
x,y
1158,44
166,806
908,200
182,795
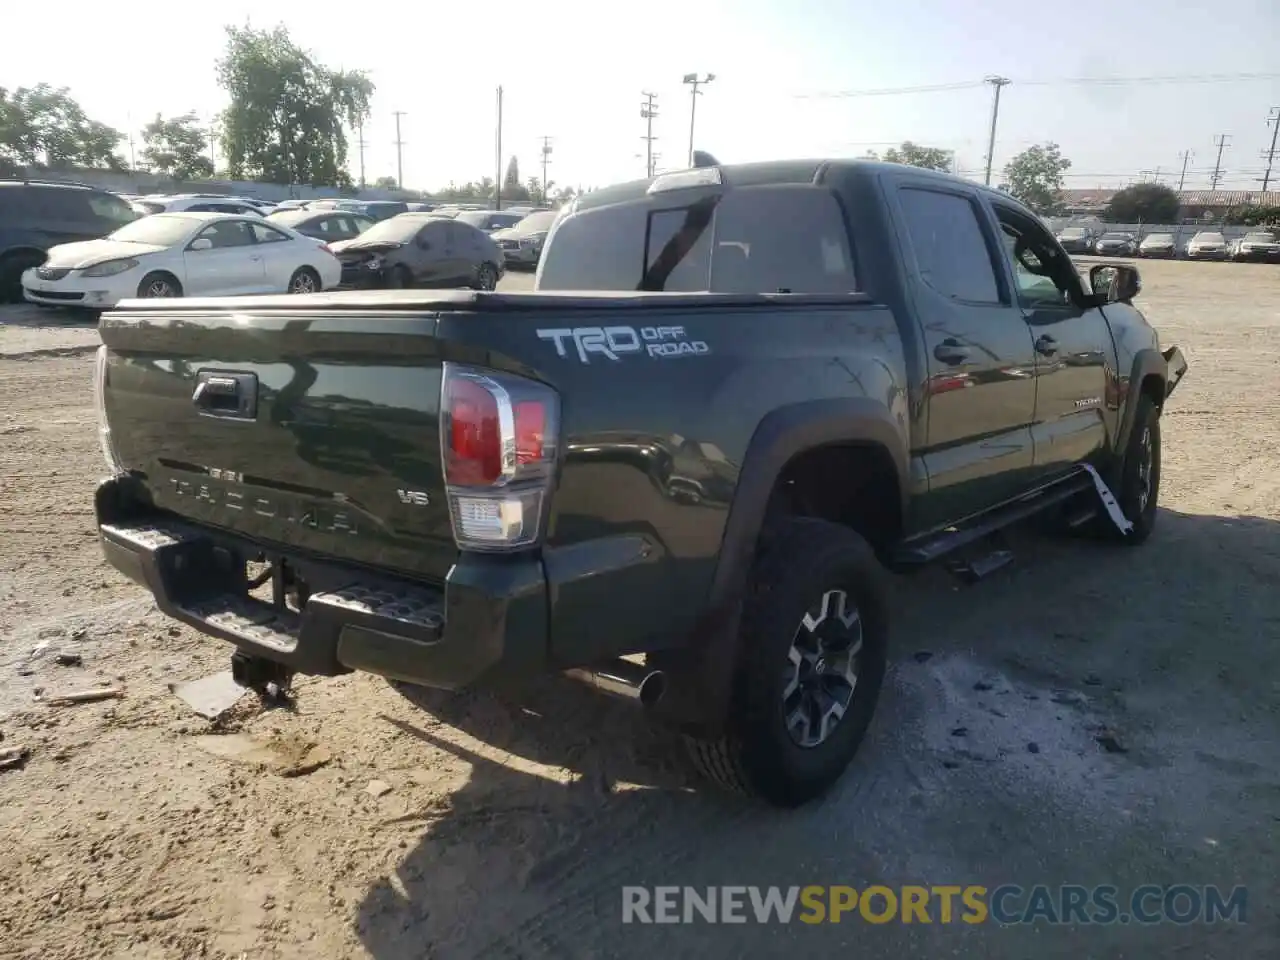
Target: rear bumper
x,y
487,622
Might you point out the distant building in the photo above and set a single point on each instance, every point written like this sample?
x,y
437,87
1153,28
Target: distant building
x,y
1206,205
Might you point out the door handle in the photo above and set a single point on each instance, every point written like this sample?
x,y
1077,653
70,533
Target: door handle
x,y
1046,346
951,352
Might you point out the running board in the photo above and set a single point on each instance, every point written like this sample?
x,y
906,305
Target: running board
x,y
931,547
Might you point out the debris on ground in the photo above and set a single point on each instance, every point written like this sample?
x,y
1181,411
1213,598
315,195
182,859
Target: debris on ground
x,y
284,756
211,696
14,758
83,696
1033,747
1110,741
923,656
69,660
378,788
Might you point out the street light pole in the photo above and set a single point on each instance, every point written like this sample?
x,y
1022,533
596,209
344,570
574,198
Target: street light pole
x,y
694,82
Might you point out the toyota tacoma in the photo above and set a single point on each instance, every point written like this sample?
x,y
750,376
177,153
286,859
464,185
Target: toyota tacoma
x,y
678,469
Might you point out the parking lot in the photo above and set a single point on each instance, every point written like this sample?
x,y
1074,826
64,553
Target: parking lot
x,y
1087,716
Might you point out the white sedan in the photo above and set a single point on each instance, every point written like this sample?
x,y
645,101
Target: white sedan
x,y
182,254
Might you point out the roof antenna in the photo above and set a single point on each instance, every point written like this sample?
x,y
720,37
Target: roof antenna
x,y
703,159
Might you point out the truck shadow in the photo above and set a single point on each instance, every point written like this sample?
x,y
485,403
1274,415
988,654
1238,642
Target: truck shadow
x,y
581,796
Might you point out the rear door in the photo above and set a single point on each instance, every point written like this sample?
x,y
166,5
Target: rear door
x,y
430,257
63,215
281,255
1072,343
979,353
231,266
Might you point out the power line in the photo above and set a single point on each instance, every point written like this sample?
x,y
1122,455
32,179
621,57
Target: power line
x,y
399,150
1044,82
694,82
648,111
1216,177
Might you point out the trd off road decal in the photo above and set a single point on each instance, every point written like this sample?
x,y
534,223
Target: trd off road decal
x,y
613,343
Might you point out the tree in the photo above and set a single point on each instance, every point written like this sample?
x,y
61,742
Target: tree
x,y
538,193
175,147
287,114
1035,177
914,155
512,178
44,125
1143,203
386,183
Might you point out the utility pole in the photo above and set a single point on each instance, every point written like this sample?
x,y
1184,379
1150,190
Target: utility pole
x,y
362,144
694,82
399,152
998,83
1185,156
1273,121
546,158
1216,177
497,190
648,110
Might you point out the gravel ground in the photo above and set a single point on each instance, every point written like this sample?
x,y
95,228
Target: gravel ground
x,y
390,824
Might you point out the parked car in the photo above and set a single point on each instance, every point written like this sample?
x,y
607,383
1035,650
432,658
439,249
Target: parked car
x,y
420,250
284,205
1158,245
521,490
188,203
1076,239
36,215
1114,244
1259,246
328,226
419,207
489,220
181,254
521,245
1207,245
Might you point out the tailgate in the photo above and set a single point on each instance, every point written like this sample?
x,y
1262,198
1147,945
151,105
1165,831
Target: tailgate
x,y
310,431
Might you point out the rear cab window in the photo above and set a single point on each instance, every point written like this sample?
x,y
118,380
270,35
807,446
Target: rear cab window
x,y
772,239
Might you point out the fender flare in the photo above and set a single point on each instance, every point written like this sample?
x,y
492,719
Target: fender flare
x,y
780,436
1146,362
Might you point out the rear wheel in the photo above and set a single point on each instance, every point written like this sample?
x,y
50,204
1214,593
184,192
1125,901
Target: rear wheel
x,y
11,270
487,277
304,280
158,284
812,655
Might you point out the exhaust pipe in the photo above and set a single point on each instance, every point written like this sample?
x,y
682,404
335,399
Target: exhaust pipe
x,y
625,679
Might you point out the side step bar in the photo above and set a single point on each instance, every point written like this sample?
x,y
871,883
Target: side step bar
x,y
915,553
622,678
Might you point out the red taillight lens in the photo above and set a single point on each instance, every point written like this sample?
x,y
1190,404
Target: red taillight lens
x,y
499,436
531,427
474,452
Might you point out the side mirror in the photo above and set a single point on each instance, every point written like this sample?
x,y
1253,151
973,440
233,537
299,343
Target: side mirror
x,y
1115,284
201,243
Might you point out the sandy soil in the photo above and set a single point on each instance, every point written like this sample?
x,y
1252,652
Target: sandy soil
x,y
507,828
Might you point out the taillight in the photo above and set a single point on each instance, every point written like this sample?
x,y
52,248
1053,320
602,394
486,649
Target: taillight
x,y
498,438
100,408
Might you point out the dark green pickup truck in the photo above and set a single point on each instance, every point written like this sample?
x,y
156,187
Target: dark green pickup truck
x,y
678,470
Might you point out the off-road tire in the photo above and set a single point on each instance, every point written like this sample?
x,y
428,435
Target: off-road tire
x,y
799,561
1146,421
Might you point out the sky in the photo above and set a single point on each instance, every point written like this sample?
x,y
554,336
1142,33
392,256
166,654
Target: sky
x,y
575,71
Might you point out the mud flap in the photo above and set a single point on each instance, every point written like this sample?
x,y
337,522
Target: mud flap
x,y
1116,515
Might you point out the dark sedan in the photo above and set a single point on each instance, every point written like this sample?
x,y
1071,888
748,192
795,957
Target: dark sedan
x,y
1076,240
329,226
420,250
1116,245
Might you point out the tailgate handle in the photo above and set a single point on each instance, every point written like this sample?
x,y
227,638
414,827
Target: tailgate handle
x,y
228,395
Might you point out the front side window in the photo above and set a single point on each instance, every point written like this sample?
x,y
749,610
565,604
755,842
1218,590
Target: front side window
x,y
227,233
1041,272
107,207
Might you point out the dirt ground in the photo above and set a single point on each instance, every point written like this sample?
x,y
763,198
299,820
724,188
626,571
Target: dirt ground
x,y
508,827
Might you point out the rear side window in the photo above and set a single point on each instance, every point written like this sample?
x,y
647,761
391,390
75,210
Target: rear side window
x,y
767,239
950,247
58,203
